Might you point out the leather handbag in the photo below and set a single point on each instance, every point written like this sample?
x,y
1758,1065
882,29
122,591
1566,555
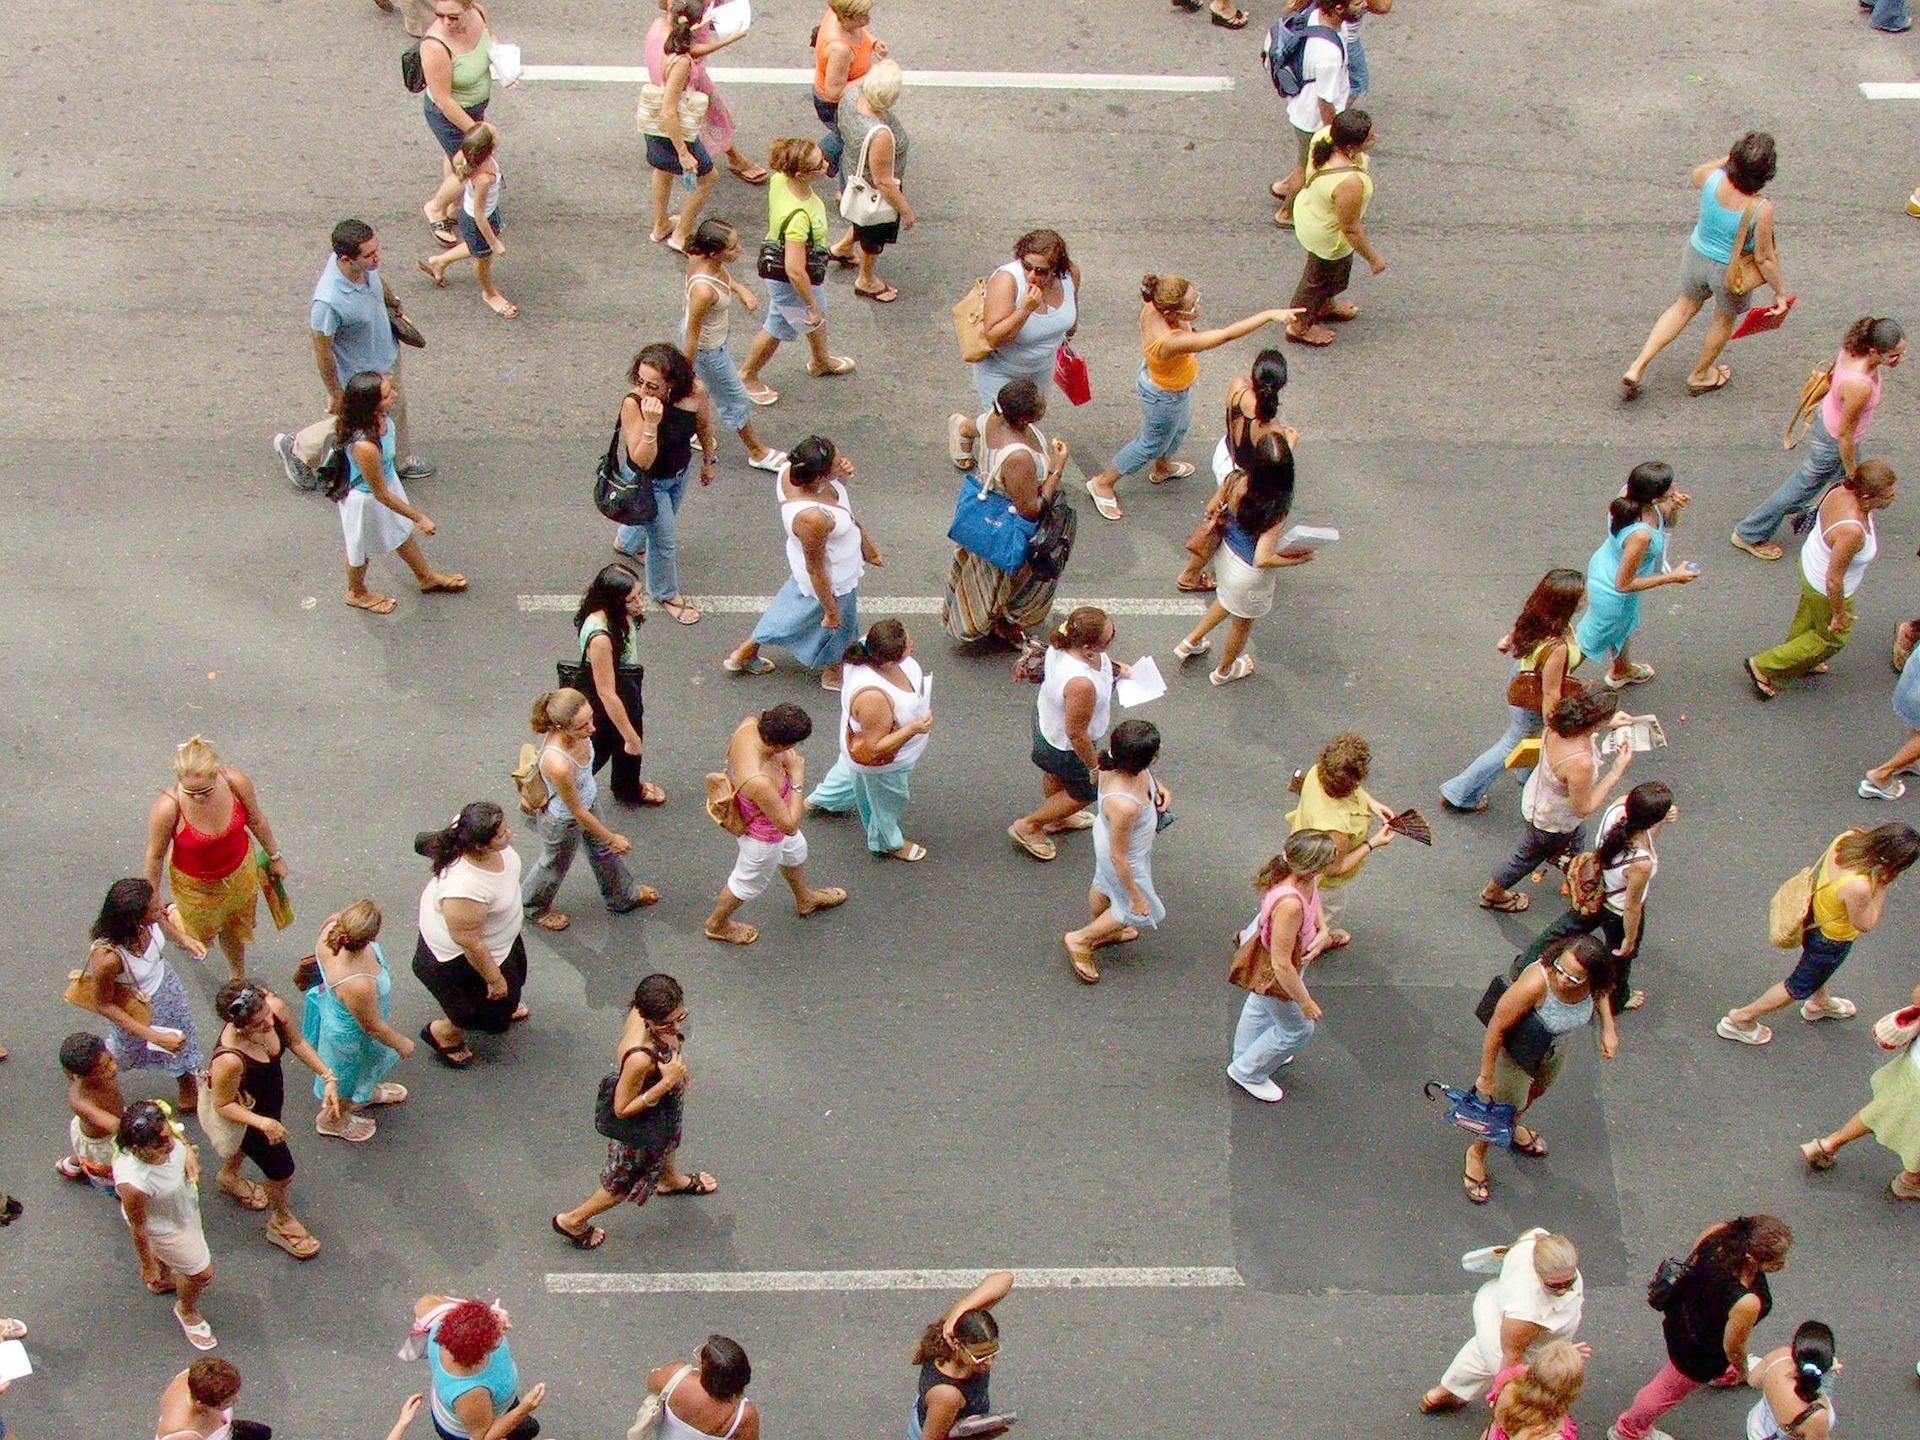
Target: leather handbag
x,y
692,110
1252,968
1819,382
723,803
1052,543
773,255
647,1130
621,493
861,203
1743,271
986,524
970,323
1527,1043
1526,691
628,683
83,990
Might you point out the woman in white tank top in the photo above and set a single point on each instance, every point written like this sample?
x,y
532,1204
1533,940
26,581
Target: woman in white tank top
x,y
1072,716
1833,561
707,1400
886,712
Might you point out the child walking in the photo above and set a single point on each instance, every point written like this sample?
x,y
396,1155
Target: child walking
x,y
480,241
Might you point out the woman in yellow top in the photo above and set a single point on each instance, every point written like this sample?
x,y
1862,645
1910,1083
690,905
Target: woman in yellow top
x,y
1169,346
1849,892
1326,217
1332,799
796,306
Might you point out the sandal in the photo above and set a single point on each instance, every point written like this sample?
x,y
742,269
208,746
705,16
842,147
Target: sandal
x,y
836,365
845,262
750,175
554,921
959,447
355,1129
1239,670
1179,470
1107,505
1535,1148
1236,21
1041,849
1817,1155
759,665
588,1239
1834,1009
443,231
1634,1001
12,1330
1762,686
1765,550
763,394
388,1092
199,1336
1125,935
373,604
1635,674
1341,311
1755,1034
885,295
439,277
1187,650
300,1244
1439,1400
737,933
825,899
449,584
1509,904
912,853
1316,335
1338,939
1629,390
698,1183
1478,1191
1205,585
454,1057
651,794
249,1195
1721,375
1084,968
681,609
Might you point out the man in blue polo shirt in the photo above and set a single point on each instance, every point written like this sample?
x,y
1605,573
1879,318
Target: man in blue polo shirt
x,y
352,319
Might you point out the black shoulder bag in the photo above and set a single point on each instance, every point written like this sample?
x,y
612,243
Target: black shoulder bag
x,y
648,1130
773,255
1528,1043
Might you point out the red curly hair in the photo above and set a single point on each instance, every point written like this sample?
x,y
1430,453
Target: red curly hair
x,y
471,1332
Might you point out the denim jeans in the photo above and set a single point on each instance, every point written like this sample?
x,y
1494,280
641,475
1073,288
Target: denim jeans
x,y
1357,66
1889,15
1165,415
1269,1031
1470,786
1797,497
658,539
559,843
1536,848
1820,957
714,365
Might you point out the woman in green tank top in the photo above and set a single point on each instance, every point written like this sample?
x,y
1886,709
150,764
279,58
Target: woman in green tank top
x,y
456,54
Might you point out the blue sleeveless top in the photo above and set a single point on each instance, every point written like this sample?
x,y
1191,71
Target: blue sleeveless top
x,y
1713,235
500,1378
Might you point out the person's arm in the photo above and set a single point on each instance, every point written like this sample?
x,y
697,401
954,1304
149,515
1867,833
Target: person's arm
x,y
749,302
1520,1001
1854,394
1192,342
1631,554
1267,554
483,183
1516,1338
1349,203
1007,307
133,1205
1864,898
363,1003
943,1409
811,528
173,925
104,961
839,64
1845,545
295,1041
558,767
984,1296
475,1411
329,372
1764,253
880,165
600,663
700,300
763,788
1740,1322
224,1075
1077,698
703,430
700,49
366,455
91,1111
1020,481
1354,856
1704,171
409,1408
640,429
1587,788
466,920
1633,905
257,819
880,740
161,821
436,63
795,255
1283,940
677,69
640,1087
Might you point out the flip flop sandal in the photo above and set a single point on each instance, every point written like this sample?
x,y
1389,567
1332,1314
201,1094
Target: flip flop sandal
x,y
845,262
1341,312
439,277
1319,336
652,794
445,585
12,1330
443,231
1721,375
1449,1401
374,605
1817,1156
553,921
302,1246
754,175
1478,1191
1205,586
589,1239
1762,686
1758,1034
1239,670
759,665
448,1055
1190,6
681,609
1107,505
1079,820
1282,220
837,365
1536,1148
1512,905
1629,390
245,1193
1041,849
199,1336
388,1092
699,1183
1084,968
912,853
1345,939
884,296
736,933
765,395
830,898
1125,935
1236,21
1180,471
1634,1001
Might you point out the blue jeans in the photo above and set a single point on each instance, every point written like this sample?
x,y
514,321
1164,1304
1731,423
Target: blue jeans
x,y
1820,956
721,376
1165,415
1802,490
1889,15
1357,65
658,539
1269,1031
1470,786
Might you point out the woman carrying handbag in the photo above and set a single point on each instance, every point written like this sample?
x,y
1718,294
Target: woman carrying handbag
x,y
1893,1115
1287,935
873,201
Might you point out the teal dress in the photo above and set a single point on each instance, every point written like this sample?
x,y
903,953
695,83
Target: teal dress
x,y
1611,617
349,1051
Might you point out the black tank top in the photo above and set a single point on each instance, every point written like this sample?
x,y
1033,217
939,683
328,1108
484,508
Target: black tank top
x,y
262,1080
973,1390
1696,1323
675,444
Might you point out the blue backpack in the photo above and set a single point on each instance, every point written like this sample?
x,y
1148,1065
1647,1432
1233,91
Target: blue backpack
x,y
1286,47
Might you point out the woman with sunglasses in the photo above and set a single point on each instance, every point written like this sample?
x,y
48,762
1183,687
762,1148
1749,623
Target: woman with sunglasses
x,y
245,1084
1537,1296
1032,307
456,56
1571,986
955,1356
156,1176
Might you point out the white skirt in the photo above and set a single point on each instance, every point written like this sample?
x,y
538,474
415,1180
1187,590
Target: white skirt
x,y
369,527
1244,591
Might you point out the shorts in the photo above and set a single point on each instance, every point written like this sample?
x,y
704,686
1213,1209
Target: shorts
x,y
1702,276
1245,591
662,156
1513,1086
1065,766
184,1252
786,311
1820,956
275,1160
754,866
445,131
632,1173
216,908
875,238
95,1154
1302,145
470,232
1320,281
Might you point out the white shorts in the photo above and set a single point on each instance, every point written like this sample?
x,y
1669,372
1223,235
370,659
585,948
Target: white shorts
x,y
182,1251
94,1154
754,867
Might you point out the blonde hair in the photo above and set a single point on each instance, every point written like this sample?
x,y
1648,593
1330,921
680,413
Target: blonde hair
x,y
1555,1255
477,143
882,84
196,757
791,157
1306,853
851,9
556,710
1544,1391
1166,293
355,927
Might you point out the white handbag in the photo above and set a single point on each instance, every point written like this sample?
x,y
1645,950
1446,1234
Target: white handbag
x,y
692,111
647,1422
861,203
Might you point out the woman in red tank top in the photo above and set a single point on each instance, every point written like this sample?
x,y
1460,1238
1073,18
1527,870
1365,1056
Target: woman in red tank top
x,y
209,821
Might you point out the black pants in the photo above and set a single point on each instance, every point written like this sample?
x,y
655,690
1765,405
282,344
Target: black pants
x,y
1612,928
607,744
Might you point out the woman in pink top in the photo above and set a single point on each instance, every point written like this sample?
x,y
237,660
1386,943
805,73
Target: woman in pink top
x,y
1291,930
1532,1400
696,41
1833,440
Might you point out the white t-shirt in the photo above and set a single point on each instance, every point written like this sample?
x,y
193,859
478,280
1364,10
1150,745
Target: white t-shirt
x,y
498,890
1323,66
172,1204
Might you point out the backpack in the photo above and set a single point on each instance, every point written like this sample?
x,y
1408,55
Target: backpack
x,y
619,492
531,781
332,476
1286,47
1586,883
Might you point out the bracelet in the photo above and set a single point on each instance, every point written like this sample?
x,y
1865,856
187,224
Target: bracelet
x,y
276,855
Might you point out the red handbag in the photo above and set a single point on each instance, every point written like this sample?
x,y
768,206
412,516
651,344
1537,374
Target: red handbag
x,y
1070,374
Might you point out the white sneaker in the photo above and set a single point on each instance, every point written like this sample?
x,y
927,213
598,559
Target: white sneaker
x,y
1260,1089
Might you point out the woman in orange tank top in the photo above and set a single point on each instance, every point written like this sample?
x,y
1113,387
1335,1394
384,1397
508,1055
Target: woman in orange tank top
x,y
843,51
209,821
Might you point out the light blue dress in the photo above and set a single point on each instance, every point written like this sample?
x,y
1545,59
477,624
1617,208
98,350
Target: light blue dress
x,y
1106,879
350,1052
1611,617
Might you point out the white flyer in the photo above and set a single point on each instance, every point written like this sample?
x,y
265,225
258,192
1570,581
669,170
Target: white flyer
x,y
1144,683
730,17
14,1363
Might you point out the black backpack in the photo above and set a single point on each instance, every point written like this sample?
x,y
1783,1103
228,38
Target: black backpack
x,y
624,497
1286,46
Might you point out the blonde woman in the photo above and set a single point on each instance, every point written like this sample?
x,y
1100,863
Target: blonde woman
x,y
877,143
796,305
844,49
345,1021
1533,1400
203,829
1170,348
564,722
1538,1296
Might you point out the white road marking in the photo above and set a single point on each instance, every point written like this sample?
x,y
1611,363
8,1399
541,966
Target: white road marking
x,y
919,79
729,1282
886,604
1884,90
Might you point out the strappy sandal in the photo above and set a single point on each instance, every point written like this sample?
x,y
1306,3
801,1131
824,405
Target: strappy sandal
x,y
454,1057
1084,969
249,1195
1510,904
737,933
681,609
829,898
699,1183
589,1239
1817,1155
1478,1191
300,1244
355,1129
751,175
1535,1148
1041,849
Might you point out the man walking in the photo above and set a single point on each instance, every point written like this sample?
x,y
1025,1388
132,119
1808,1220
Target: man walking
x,y
1325,88
353,319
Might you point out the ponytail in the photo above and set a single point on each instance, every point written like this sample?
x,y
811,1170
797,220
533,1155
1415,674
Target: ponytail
x,y
885,644
1647,804
472,831
555,710
1084,626
1812,1358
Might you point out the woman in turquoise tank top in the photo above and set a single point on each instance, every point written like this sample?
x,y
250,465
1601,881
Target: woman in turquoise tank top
x,y
346,1020
1633,558
475,1381
1728,187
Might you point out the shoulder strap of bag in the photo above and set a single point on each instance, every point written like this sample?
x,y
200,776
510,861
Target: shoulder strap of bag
x,y
780,230
860,166
1740,235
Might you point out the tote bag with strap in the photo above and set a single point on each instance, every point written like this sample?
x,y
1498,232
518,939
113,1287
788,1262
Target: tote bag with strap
x,y
1743,271
970,323
85,991
1791,909
861,203
692,111
1819,382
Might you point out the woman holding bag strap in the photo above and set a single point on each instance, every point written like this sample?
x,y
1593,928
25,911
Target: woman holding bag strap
x,y
673,153
878,143
1289,933
1019,462
794,304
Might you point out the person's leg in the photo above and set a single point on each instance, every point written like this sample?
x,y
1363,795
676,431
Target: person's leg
x,y
559,838
1889,15
1059,803
1159,413
1258,1040
1236,642
1818,468
496,302
1536,846
1285,190
1675,318
1216,612
1808,642
822,360
188,1290
758,354
721,376
835,795
1179,422
721,921
1357,76
437,266
881,799
310,440
610,872
1906,756
1104,921
662,192
1568,925
1854,1129
1718,333
235,949
694,203
663,541
428,577
1469,789
402,428
1665,1390
581,1216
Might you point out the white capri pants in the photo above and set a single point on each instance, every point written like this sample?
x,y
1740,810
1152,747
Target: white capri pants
x,y
754,867
1473,1369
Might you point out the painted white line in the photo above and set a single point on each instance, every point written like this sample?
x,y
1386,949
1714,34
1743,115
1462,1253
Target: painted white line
x,y
1882,90
920,79
729,1282
886,604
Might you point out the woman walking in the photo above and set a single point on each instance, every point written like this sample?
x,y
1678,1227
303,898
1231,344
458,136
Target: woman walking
x,y
1892,1117
203,829
660,416
886,717
1850,885
815,615
1632,560
708,1396
1536,1299
1170,349
246,1086
1032,307
470,955
651,1075
1545,654
1130,812
711,291
608,623
137,991
479,219
375,515
1072,715
1795,1382
1833,562
564,722
1567,786
1327,215
1883,782
1571,986
156,1175
1251,506
1017,461
872,134
198,1405
955,1356
1288,934
844,50
1333,799
456,57
1709,1316
1253,413
475,1390
345,1021
796,301
672,153
1732,214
